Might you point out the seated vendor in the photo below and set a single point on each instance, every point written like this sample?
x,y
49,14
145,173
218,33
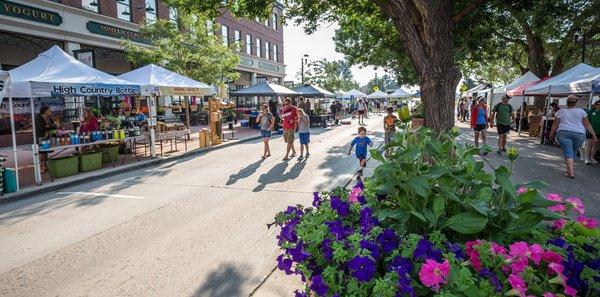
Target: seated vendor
x,y
89,122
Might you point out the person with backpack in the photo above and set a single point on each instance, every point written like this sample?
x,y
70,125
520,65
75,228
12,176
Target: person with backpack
x,y
504,115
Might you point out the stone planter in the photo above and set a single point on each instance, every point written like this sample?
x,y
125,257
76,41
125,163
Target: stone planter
x,y
417,122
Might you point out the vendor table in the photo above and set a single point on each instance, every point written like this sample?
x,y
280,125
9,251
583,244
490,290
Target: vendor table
x,y
130,142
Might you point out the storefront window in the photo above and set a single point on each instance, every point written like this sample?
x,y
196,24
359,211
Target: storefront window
x,y
267,51
274,21
151,11
225,35
248,44
238,39
124,10
258,49
91,5
275,53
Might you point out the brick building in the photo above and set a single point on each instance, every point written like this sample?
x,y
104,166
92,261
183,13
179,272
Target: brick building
x,y
29,27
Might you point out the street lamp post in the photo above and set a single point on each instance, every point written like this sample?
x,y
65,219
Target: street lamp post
x,y
303,60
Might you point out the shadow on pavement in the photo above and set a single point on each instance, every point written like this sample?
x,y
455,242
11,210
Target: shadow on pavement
x,y
227,280
244,172
277,174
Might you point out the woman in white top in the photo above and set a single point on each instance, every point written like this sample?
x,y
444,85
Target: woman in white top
x,y
362,108
570,126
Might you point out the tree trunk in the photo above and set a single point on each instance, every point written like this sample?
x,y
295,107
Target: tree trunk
x,y
426,32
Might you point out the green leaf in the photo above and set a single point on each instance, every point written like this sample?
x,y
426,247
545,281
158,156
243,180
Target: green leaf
x,y
376,155
480,206
467,223
524,223
484,177
503,179
439,204
484,194
436,171
420,185
537,185
389,213
418,215
548,214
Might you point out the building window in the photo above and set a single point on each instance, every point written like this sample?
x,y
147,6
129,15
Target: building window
x,y
267,51
151,11
173,14
91,5
258,49
275,53
237,36
124,10
274,21
267,22
248,44
225,35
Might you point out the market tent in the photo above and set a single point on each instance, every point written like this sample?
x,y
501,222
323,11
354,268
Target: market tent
x,y
399,93
312,91
377,95
521,80
264,89
55,72
596,86
565,83
356,94
168,82
342,95
480,87
520,90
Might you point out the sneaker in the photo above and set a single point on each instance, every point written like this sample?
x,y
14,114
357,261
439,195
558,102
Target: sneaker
x,y
300,158
306,156
594,161
588,162
499,152
484,153
504,150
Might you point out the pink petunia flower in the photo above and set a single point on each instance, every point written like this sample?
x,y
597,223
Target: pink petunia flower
x,y
557,208
577,204
589,223
548,294
522,190
353,198
559,224
518,284
570,291
519,249
554,197
556,268
473,254
552,257
535,253
498,249
433,273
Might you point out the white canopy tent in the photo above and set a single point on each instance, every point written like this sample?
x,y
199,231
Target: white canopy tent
x,y
399,93
342,95
494,95
55,73
356,94
377,95
168,82
563,84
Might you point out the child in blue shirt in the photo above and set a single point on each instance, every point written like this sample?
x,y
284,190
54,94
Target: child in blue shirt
x,y
361,142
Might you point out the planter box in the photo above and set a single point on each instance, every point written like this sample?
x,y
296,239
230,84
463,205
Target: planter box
x,y
90,161
65,166
417,122
110,152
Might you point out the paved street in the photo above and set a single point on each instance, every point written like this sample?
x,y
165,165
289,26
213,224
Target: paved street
x,y
194,227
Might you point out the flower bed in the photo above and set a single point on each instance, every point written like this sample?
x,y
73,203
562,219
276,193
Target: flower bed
x,y
431,221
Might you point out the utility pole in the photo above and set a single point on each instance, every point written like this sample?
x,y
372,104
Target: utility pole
x,y
303,60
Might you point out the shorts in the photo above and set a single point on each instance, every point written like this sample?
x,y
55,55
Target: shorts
x,y
304,138
503,129
361,112
570,142
288,135
265,133
388,136
361,156
480,127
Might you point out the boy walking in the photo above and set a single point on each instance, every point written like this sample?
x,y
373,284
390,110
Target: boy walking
x,y
361,142
503,113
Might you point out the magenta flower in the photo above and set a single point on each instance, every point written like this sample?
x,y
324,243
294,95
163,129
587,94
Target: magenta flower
x,y
576,204
433,273
518,285
559,224
570,291
473,254
498,249
535,253
552,257
554,197
589,223
354,194
522,190
548,294
556,268
557,208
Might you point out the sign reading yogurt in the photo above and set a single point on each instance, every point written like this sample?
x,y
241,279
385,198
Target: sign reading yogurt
x,y
92,90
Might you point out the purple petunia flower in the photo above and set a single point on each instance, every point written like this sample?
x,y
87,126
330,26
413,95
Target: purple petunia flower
x,y
493,278
426,250
340,206
456,250
316,199
318,285
388,240
285,264
363,268
559,242
371,247
366,220
288,232
572,272
300,294
326,248
359,184
298,253
338,229
294,210
405,287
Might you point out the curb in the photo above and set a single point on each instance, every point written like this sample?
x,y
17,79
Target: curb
x,y
52,186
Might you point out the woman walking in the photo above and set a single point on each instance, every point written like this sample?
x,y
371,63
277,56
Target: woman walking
x,y
361,107
570,126
267,121
479,122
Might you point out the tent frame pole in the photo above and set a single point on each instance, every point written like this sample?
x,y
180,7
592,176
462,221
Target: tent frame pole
x,y
152,133
520,124
547,113
35,148
13,132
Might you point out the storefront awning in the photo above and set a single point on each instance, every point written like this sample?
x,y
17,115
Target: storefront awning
x,y
168,82
55,72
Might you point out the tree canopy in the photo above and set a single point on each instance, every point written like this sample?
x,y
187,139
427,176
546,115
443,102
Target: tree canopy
x,y
331,75
195,51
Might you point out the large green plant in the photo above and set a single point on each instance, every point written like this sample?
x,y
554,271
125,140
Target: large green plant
x,y
430,182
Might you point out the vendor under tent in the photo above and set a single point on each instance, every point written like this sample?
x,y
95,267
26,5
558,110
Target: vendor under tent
x,y
494,94
377,95
168,83
519,93
56,73
312,91
356,94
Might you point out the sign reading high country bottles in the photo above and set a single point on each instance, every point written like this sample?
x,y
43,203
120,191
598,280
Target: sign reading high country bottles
x,y
29,13
110,31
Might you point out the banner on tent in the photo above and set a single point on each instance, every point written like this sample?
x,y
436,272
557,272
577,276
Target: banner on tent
x,y
23,105
68,89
